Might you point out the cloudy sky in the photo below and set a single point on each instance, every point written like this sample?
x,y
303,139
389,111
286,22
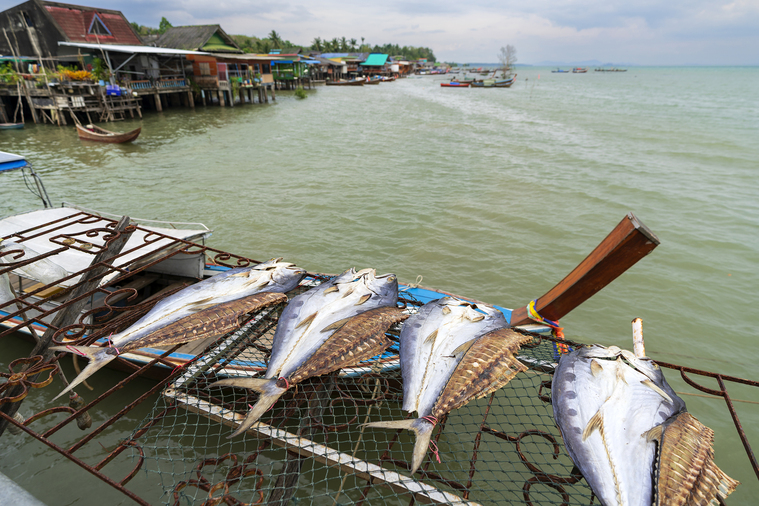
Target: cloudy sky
x,y
653,32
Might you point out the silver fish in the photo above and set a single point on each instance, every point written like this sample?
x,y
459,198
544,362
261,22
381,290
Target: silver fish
x,y
605,402
433,343
306,323
272,276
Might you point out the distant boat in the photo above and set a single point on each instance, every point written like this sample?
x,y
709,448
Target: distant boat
x,y
613,69
11,126
579,70
560,71
495,83
95,133
353,82
455,84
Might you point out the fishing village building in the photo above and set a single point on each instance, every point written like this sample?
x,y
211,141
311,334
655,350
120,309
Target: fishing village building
x,y
63,63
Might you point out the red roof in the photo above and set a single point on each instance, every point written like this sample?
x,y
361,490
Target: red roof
x,y
76,22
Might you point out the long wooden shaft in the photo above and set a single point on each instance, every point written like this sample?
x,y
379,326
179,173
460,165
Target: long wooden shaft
x,y
630,241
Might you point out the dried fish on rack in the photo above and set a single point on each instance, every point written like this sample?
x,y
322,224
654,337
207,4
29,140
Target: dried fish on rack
x,y
182,316
334,325
610,407
451,353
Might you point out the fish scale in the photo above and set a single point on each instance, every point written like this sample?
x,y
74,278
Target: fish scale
x,y
342,349
487,366
214,321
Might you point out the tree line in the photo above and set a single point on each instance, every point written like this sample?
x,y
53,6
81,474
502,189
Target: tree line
x,y
337,45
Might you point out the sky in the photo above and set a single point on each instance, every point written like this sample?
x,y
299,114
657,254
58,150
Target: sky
x,y
638,32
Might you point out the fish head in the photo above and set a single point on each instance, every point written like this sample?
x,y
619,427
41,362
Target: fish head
x,y
285,276
384,288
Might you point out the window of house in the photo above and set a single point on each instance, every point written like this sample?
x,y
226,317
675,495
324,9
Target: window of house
x,y
205,68
97,27
27,19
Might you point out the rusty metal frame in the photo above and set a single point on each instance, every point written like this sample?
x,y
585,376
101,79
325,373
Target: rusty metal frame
x,y
114,317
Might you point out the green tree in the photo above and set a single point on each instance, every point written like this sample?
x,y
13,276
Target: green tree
x,y
275,39
164,25
316,45
353,44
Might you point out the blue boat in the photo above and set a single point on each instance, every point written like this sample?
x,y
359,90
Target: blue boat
x,y
560,71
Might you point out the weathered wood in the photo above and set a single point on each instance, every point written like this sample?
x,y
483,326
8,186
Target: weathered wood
x,y
630,241
422,493
68,314
157,99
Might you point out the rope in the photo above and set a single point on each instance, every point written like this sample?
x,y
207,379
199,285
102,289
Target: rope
x,y
556,330
415,284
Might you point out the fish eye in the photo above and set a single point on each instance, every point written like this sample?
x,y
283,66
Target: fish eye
x,y
391,279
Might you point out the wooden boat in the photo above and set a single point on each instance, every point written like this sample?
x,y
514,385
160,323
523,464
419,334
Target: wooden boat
x,y
353,82
373,81
495,83
95,133
455,84
560,71
11,126
579,70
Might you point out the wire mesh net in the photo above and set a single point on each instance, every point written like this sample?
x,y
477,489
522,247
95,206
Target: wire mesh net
x,y
312,447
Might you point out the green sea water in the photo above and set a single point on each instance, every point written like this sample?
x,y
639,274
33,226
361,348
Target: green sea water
x,y
494,194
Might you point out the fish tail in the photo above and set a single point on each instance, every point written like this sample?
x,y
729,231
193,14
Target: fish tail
x,y
423,430
97,358
269,391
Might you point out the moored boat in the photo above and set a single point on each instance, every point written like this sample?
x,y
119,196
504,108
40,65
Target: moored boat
x,y
560,71
495,83
352,82
11,126
455,84
95,133
579,70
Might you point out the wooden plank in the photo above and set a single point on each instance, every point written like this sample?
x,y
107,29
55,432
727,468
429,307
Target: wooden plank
x,y
630,241
423,493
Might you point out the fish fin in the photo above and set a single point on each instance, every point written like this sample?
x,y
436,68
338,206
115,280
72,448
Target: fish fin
x,y
349,291
243,273
478,318
653,386
97,361
654,434
431,337
331,289
595,367
423,431
596,422
257,384
446,310
463,348
621,371
307,321
337,325
269,391
363,299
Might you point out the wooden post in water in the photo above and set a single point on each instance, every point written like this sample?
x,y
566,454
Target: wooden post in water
x,y
157,99
68,315
221,98
191,99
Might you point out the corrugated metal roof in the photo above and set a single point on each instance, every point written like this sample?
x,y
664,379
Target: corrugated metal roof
x,y
75,22
194,37
130,49
376,60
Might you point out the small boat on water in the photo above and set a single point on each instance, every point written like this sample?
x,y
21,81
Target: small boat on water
x,y
455,84
560,71
495,83
11,126
373,81
352,82
579,70
95,133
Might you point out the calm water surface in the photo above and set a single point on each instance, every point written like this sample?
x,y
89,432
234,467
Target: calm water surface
x,y
494,194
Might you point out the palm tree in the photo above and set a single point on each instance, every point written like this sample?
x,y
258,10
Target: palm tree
x,y
353,44
316,45
275,39
343,44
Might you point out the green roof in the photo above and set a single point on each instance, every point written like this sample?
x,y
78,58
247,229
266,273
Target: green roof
x,y
216,43
376,60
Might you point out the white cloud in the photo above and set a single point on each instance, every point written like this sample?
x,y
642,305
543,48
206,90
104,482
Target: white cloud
x,y
644,32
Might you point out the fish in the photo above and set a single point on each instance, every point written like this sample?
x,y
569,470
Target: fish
x,y
451,352
334,325
273,276
6,294
606,402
